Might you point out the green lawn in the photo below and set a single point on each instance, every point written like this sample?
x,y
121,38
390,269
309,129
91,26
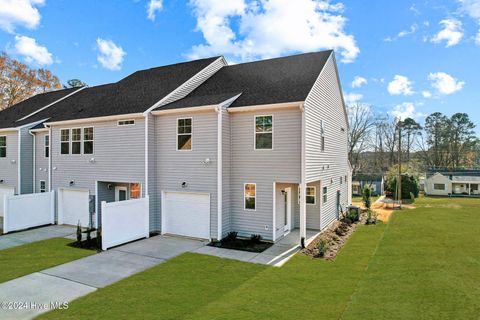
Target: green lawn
x,y
425,264
22,260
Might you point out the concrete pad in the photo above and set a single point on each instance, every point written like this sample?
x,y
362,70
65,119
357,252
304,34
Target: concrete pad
x,y
104,268
161,247
278,249
38,291
6,243
227,253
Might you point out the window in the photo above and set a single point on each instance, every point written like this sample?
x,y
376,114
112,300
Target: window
x,y
126,123
250,195
310,195
263,132
135,191
88,140
341,180
43,186
322,142
76,141
184,134
322,134
3,146
65,141
325,194
439,186
46,145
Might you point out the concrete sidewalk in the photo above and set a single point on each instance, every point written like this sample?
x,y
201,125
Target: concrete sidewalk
x,y
14,239
74,279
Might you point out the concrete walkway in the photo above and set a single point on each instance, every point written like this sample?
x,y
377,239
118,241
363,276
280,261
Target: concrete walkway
x,y
14,239
74,279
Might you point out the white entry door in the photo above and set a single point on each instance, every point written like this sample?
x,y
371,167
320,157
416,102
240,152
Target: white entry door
x,y
9,191
288,210
73,206
186,214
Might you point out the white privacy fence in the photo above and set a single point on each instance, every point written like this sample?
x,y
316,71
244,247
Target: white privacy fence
x,y
28,210
124,221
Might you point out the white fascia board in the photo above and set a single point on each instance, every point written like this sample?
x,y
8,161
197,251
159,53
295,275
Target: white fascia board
x,y
51,104
283,105
97,119
32,124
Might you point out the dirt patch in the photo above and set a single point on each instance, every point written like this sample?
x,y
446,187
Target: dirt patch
x,y
336,235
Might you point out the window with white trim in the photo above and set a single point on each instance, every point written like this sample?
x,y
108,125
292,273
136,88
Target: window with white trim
x,y
43,186
311,195
438,186
184,134
46,146
263,132
250,196
65,141
126,122
3,146
322,136
325,191
76,141
88,140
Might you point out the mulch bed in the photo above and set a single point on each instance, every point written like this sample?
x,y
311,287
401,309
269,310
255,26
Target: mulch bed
x,y
336,235
242,245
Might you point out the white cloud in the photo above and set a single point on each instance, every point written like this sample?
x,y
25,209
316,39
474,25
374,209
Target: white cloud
x,y
152,8
445,83
19,13
32,51
451,33
358,82
477,38
413,29
472,7
400,85
406,110
111,55
247,29
352,98
426,94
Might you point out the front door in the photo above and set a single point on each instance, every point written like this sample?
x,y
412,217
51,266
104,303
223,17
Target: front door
x,y
287,219
120,193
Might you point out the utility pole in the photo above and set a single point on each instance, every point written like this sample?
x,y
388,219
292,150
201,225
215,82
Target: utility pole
x,y
399,179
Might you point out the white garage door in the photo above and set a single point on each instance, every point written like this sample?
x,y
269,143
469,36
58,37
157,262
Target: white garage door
x,y
73,206
9,191
187,214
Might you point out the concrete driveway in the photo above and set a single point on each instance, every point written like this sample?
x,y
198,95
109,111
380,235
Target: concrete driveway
x,y
72,280
32,235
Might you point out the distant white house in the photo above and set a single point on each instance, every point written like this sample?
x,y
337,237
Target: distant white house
x,y
455,183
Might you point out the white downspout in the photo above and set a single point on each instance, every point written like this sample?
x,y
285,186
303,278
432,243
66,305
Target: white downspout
x,y
19,162
146,114
34,161
303,204
50,146
219,173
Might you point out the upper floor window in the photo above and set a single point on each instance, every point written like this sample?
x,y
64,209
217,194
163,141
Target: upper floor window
x,y
65,141
46,146
76,141
263,132
88,140
3,146
126,122
184,134
250,196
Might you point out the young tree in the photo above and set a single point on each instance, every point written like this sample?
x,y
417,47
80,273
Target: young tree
x,y
462,139
361,122
410,129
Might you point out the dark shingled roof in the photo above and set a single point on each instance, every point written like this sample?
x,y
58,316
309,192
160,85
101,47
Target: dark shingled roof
x,y
133,94
454,172
286,79
8,117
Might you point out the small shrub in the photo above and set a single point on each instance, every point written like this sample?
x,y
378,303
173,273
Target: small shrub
x,y
371,217
342,229
347,220
79,232
366,197
230,237
255,238
322,247
353,214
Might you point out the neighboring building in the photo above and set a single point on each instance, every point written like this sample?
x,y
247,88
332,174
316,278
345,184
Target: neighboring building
x,y
257,148
453,182
374,181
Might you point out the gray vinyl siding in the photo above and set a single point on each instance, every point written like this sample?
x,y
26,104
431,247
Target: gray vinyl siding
x,y
325,103
26,161
174,167
9,169
263,167
119,153
41,162
226,172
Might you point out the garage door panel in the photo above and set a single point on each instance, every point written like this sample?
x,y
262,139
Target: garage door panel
x,y
187,214
5,191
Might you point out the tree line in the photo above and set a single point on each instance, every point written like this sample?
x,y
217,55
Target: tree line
x,y
442,141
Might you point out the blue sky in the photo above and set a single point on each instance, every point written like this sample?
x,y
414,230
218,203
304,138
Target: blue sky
x,y
409,58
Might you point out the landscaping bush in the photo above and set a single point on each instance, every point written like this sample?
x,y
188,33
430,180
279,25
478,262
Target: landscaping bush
x,y
353,215
79,232
367,197
371,217
230,237
255,238
342,229
322,247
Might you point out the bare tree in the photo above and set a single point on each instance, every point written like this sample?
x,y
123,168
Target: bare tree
x,y
361,122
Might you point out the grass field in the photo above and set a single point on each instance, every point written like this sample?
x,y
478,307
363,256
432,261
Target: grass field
x,y
423,264
22,260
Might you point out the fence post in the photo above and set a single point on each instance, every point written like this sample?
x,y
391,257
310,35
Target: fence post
x,y
104,205
52,206
147,220
5,213
60,207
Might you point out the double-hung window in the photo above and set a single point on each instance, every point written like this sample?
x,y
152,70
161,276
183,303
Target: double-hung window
x,y
76,141
325,192
46,145
438,186
310,195
65,141
88,140
250,196
3,146
263,132
184,134
43,186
